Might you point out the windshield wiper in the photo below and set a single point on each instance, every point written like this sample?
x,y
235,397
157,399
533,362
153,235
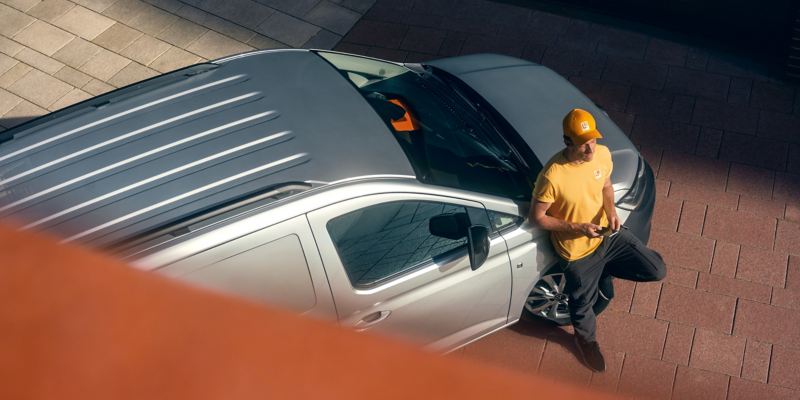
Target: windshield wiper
x,y
445,80
485,111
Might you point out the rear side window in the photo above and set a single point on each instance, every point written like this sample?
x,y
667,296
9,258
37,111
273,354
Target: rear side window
x,y
384,241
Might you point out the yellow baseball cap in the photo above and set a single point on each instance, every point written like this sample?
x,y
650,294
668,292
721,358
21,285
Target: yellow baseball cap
x,y
579,125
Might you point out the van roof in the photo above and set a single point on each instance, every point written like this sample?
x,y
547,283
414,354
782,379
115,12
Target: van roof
x,y
151,153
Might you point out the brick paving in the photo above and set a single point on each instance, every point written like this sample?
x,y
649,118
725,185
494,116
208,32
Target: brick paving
x,y
54,53
722,136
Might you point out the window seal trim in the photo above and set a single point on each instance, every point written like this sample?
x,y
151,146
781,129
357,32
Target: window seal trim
x,y
449,255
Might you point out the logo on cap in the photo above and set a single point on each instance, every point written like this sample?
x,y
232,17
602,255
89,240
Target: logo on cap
x,y
584,126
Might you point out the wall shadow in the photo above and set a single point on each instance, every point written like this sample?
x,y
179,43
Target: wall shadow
x,y
748,33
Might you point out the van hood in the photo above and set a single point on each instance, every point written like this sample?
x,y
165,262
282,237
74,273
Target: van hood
x,y
534,99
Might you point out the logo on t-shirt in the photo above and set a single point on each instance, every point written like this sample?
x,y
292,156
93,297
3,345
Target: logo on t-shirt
x,y
598,173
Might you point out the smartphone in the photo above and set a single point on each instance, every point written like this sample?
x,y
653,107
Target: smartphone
x,y
606,231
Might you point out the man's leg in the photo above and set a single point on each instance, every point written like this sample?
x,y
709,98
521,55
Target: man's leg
x,y
628,258
582,278
605,292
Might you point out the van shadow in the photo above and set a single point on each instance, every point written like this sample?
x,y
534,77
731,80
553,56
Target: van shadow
x,y
546,330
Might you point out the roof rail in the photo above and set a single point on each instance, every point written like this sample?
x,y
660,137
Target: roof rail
x,y
105,99
180,226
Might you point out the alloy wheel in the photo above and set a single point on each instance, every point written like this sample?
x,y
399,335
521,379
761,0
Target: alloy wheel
x,y
547,299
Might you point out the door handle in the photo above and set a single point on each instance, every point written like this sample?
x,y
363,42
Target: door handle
x,y
371,320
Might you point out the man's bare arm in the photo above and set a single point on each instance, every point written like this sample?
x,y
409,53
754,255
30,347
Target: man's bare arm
x,y
538,215
608,205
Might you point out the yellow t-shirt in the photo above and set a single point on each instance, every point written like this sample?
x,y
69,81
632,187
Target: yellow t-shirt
x,y
576,194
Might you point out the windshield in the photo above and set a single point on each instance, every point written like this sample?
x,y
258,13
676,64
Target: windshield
x,y
447,139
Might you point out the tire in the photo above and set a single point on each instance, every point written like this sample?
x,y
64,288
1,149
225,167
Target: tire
x,y
548,301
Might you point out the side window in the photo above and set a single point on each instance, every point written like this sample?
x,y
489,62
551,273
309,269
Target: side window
x,y
275,273
380,242
502,221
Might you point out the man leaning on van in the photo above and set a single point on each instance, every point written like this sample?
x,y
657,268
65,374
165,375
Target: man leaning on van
x,y
574,200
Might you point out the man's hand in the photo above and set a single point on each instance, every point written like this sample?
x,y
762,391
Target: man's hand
x,y
588,229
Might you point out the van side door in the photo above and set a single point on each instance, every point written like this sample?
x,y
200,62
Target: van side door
x,y
277,265
388,272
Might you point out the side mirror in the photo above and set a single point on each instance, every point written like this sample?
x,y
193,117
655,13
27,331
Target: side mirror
x,y
449,226
456,226
478,243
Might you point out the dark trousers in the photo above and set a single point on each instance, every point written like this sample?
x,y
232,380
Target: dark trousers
x,y
621,256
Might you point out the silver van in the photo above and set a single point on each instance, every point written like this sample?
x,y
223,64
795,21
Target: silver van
x,y
382,195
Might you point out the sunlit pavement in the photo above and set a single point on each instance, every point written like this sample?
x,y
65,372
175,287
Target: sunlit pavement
x,y
722,135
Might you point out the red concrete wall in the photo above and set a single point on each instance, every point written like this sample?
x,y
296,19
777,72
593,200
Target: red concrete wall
x,y
78,325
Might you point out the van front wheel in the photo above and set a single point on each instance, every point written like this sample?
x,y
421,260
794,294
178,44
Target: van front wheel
x,y
547,299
